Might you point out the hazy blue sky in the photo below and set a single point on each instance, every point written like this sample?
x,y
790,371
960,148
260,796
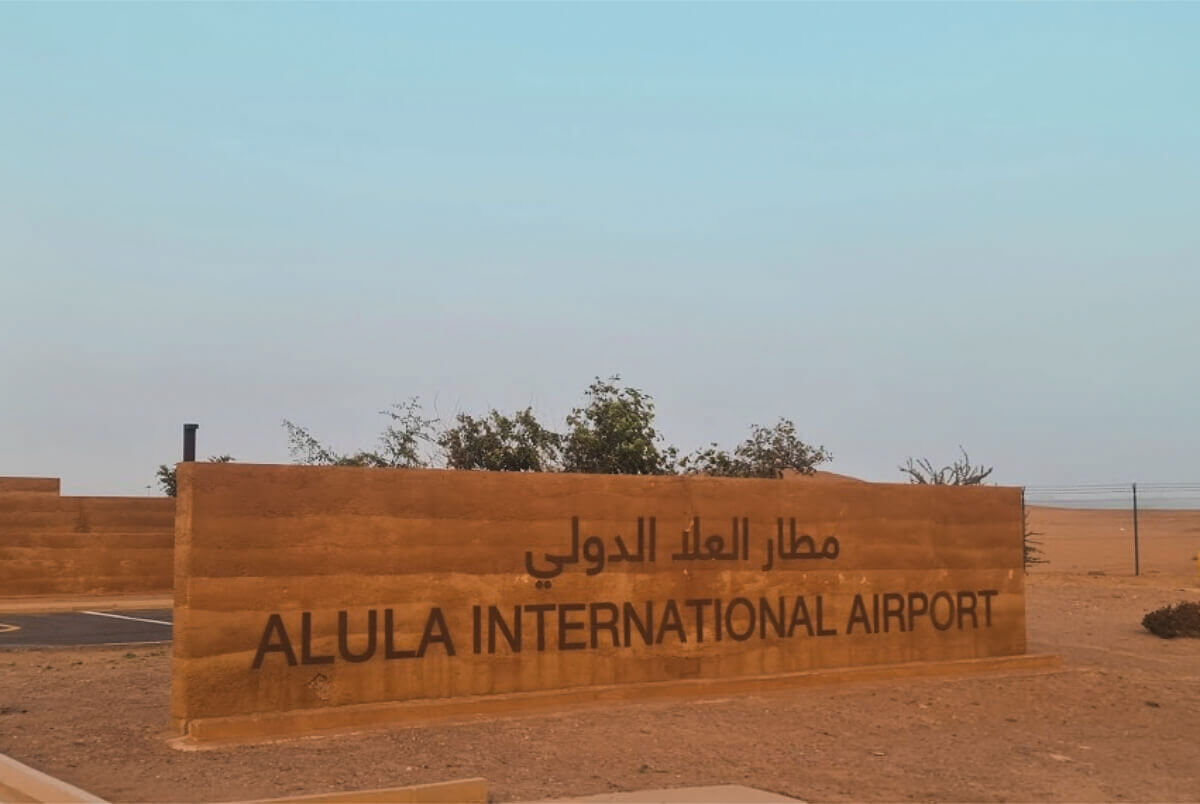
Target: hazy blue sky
x,y
904,227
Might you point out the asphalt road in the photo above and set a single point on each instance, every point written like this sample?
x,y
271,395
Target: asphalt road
x,y
85,628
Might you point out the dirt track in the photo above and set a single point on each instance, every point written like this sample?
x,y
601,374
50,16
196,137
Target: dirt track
x,y
1122,722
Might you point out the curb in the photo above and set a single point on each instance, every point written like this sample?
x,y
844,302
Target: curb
x,y
458,791
50,605
21,784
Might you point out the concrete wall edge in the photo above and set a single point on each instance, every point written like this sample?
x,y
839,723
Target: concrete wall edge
x,y
459,791
21,783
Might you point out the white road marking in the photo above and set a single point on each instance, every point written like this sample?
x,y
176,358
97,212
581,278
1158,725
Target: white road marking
x,y
124,617
5,628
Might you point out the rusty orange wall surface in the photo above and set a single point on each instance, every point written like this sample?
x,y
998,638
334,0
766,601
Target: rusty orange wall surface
x,y
263,550
85,545
30,485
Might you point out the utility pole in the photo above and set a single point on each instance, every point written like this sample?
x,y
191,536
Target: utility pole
x,y
1137,569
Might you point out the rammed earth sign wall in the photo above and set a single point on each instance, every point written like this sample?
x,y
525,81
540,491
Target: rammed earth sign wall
x,y
321,597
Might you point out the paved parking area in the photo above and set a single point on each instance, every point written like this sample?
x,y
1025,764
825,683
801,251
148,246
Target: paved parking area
x,y
92,627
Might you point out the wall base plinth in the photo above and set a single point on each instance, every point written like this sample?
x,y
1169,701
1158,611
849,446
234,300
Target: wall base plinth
x,y
212,732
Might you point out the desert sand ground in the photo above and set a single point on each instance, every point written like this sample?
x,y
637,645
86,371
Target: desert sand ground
x,y
1120,722
1102,541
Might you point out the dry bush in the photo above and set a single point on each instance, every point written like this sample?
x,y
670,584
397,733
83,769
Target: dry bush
x,y
1180,620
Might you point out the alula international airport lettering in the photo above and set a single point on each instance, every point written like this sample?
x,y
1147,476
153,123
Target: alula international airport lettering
x,y
383,634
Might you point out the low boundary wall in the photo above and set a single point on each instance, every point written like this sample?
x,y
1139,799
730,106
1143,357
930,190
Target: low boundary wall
x,y
30,485
52,545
